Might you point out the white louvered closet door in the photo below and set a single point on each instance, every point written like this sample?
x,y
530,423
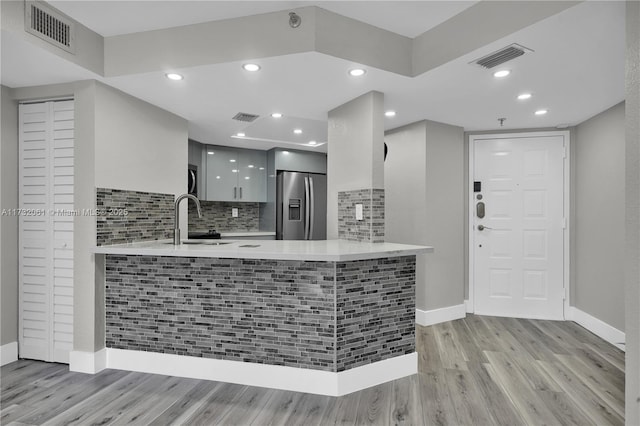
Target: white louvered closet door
x,y
46,230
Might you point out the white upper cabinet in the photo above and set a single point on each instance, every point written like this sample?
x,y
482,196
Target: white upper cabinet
x,y
236,174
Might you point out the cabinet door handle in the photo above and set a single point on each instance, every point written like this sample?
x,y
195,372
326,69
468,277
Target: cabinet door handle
x,y
241,193
235,191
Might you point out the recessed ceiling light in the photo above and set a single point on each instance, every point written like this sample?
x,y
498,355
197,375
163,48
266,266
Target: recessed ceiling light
x,y
312,142
251,67
501,73
390,114
251,166
261,168
524,96
247,177
174,76
541,112
276,115
210,152
240,135
285,152
217,177
233,160
234,170
357,72
297,131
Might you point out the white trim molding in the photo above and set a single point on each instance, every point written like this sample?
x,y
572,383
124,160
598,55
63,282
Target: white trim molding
x,y
598,327
88,362
436,316
264,375
8,353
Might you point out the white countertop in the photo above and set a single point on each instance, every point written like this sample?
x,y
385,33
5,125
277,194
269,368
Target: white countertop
x,y
326,250
248,234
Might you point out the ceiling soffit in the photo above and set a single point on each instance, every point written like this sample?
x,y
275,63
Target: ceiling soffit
x,y
269,35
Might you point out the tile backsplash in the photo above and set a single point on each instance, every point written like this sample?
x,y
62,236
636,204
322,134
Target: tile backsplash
x,y
128,216
217,215
371,228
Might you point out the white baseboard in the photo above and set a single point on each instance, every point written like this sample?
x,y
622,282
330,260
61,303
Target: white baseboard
x,y
436,316
88,362
8,353
264,375
468,306
597,327
379,372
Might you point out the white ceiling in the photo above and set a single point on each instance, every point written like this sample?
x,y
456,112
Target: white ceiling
x,y
108,18
575,71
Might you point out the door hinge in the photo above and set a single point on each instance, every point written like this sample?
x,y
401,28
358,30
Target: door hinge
x,y
565,293
564,223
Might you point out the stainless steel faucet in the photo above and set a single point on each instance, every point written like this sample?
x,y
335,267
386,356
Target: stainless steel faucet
x,y
176,206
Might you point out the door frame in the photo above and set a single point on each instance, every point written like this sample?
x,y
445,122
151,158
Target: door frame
x,y
566,134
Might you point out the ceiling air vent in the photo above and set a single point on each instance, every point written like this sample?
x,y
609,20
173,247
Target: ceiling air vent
x,y
243,116
501,56
50,25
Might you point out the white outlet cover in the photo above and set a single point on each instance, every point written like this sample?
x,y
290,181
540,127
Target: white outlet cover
x,y
359,212
234,212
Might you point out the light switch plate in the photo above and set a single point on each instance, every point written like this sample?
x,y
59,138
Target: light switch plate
x,y
359,212
234,212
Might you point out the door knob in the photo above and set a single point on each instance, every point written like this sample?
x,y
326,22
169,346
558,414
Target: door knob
x,y
482,227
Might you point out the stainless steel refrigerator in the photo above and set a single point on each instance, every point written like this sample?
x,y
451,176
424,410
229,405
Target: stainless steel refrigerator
x,y
301,206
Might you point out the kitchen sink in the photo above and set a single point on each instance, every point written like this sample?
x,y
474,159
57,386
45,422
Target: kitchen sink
x,y
203,242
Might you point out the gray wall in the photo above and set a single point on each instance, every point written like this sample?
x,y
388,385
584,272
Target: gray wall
x,y
121,143
599,223
9,224
300,161
632,263
355,151
425,205
138,147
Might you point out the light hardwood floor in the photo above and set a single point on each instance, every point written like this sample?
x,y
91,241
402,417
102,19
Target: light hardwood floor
x,y
476,371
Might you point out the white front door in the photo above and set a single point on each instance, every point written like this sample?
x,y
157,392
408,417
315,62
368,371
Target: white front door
x,y
518,246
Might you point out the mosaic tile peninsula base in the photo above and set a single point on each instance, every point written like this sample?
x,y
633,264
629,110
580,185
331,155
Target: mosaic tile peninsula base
x,y
330,316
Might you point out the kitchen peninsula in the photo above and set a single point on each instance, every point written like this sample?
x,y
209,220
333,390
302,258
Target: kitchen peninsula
x,y
325,317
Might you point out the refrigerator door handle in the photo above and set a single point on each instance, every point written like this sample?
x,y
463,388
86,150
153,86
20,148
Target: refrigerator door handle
x,y
312,207
307,209
192,178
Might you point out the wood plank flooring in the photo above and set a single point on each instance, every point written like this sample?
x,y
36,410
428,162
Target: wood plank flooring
x,y
475,371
